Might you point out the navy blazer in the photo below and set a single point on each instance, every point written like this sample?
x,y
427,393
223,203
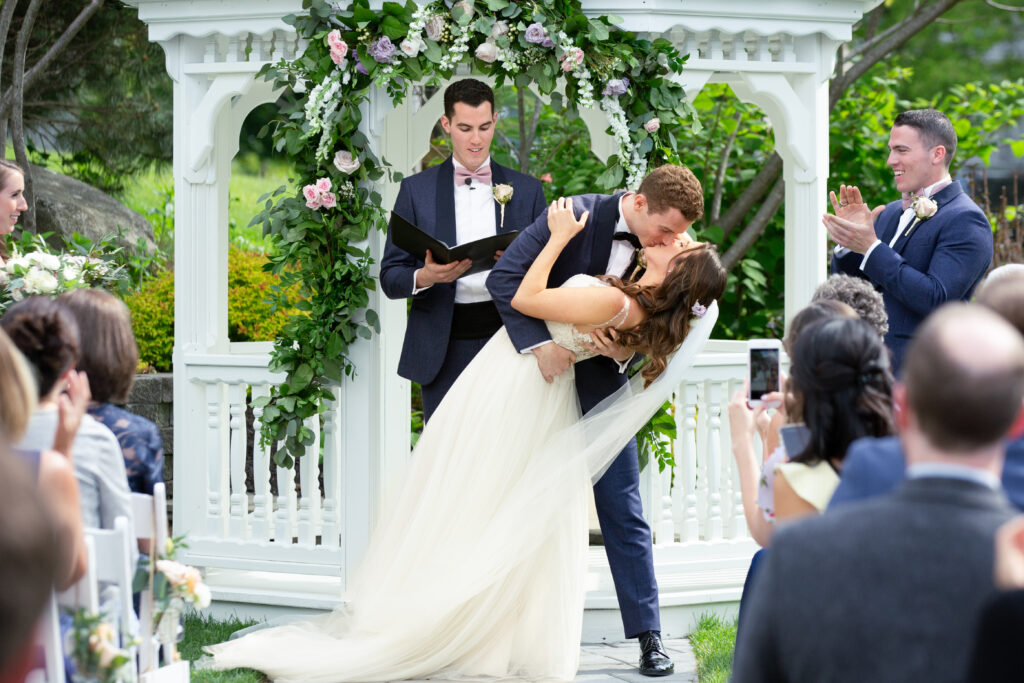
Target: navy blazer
x,y
943,258
874,467
427,200
587,252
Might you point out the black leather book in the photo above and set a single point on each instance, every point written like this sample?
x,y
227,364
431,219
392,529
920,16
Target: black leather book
x,y
411,239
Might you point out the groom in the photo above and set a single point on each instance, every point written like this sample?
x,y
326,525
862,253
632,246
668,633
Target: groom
x,y
451,316
669,200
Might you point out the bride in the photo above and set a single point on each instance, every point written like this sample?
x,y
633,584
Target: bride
x,y
476,568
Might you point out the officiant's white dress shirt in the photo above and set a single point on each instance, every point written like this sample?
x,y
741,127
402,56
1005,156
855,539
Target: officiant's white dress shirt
x,y
474,220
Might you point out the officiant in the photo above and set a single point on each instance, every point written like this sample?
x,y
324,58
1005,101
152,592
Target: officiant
x,y
452,315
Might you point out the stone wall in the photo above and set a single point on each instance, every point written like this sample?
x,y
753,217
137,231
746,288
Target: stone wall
x,y
152,397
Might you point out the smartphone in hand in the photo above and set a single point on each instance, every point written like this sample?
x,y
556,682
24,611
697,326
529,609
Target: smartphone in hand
x,y
764,374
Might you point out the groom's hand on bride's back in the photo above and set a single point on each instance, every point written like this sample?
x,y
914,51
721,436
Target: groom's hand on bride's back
x,y
553,360
604,342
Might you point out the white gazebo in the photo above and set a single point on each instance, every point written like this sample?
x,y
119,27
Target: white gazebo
x,y
269,550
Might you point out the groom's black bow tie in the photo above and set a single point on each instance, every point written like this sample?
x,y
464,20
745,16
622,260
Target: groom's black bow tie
x,y
628,237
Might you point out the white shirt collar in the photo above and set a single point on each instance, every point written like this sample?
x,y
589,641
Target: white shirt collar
x,y
950,471
930,189
621,226
486,161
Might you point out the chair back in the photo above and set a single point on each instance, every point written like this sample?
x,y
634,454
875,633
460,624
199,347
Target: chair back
x,y
150,514
49,640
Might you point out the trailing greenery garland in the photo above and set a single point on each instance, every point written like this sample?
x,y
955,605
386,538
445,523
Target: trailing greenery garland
x,y
352,50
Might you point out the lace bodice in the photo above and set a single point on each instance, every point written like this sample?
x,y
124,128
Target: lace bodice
x,y
566,334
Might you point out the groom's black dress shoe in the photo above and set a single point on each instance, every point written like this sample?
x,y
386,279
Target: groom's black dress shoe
x,y
653,660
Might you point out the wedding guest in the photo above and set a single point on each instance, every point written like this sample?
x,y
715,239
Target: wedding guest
x,y
452,315
889,589
12,201
876,466
45,332
110,357
997,657
29,565
756,475
932,246
859,295
52,470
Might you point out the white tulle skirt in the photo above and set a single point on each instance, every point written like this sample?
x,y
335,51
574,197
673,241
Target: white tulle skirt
x,y
476,568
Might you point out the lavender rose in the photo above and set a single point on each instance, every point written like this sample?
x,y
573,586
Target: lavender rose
x,y
616,86
535,33
382,50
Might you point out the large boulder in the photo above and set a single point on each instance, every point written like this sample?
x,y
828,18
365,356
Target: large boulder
x,y
65,206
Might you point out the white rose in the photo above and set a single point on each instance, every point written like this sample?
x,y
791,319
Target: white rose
x,y
70,272
345,162
925,207
653,125
434,26
487,52
203,596
175,572
44,260
38,281
15,263
500,28
410,48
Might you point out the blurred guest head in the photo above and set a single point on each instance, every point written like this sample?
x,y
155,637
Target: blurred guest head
x,y
841,384
17,390
858,294
816,311
28,563
964,381
109,355
46,334
1003,292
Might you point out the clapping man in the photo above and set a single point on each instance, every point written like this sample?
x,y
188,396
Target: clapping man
x,y
932,246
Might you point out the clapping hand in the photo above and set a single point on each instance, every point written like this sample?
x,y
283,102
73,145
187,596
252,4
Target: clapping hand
x,y
853,225
562,221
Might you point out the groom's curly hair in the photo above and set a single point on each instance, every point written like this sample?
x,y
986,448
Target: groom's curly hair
x,y
695,276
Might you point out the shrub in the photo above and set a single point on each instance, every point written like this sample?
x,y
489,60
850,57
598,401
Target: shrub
x,y
249,313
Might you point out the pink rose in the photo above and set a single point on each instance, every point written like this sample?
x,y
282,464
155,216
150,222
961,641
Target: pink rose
x,y
653,125
546,178
487,52
313,203
328,200
434,26
335,41
573,58
323,185
310,193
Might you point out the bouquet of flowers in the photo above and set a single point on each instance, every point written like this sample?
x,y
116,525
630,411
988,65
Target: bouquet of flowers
x,y
42,272
93,648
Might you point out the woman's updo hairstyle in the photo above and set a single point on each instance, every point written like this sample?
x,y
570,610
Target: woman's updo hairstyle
x,y
46,334
695,277
840,375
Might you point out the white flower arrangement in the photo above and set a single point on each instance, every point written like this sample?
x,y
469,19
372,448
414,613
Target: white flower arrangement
x,y
43,273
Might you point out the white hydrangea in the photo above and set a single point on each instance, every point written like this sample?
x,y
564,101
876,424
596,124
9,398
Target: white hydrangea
x,y
39,281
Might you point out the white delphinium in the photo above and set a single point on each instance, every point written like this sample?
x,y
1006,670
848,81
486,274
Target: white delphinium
x,y
322,102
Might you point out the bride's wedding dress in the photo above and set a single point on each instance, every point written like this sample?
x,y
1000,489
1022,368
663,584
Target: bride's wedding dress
x,y
476,568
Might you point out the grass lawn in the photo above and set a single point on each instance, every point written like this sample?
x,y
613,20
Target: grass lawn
x,y
201,630
712,643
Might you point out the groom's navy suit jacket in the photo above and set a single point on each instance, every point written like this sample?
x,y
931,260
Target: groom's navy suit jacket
x,y
627,537
427,200
942,259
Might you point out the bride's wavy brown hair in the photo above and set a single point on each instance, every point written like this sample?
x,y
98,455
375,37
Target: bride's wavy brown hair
x,y
695,276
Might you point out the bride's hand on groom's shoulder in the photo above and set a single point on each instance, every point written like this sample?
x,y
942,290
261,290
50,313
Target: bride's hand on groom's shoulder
x,y
562,221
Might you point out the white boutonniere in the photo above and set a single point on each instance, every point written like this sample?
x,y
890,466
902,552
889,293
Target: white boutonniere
x,y
502,195
924,208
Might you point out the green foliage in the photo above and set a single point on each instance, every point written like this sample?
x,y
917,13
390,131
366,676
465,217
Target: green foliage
x,y
202,630
252,314
323,243
152,308
655,439
713,642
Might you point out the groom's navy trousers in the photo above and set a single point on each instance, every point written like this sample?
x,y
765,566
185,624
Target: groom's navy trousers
x,y
627,537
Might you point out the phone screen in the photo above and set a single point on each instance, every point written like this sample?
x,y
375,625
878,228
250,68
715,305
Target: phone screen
x,y
764,372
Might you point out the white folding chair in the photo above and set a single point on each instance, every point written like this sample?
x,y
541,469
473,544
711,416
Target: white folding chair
x,y
150,514
48,638
85,593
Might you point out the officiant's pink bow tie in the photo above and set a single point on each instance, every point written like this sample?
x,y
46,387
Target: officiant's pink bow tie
x,y
481,175
909,197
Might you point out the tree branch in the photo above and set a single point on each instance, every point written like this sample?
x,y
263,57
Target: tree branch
x,y
735,253
58,46
723,165
761,183
893,39
18,132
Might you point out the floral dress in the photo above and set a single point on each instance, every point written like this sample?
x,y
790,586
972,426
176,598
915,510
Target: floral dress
x,y
141,445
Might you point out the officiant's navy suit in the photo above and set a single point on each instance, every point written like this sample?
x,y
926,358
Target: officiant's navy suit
x,y
627,537
427,200
942,259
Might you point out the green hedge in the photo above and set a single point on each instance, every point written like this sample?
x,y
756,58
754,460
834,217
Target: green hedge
x,y
249,316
